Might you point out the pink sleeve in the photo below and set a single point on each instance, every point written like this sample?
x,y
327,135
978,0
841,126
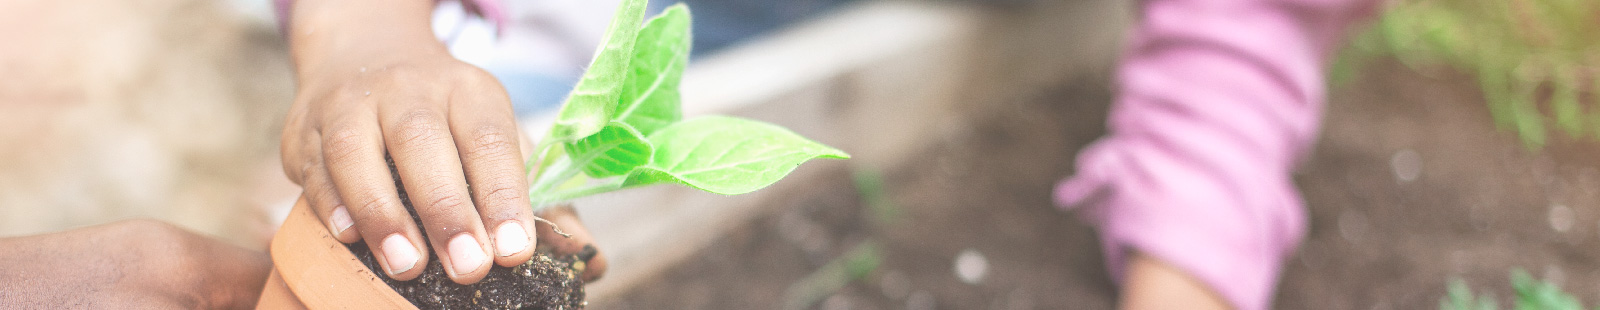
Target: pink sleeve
x,y
494,10
283,9
1217,101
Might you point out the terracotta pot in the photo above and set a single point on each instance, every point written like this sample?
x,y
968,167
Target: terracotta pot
x,y
312,270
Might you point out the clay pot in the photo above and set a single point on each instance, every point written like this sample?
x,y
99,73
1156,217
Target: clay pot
x,y
312,270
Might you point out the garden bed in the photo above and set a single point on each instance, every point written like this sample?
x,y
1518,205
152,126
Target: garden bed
x,y
1410,186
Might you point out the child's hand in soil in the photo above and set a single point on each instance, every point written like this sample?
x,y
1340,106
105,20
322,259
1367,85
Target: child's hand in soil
x,y
138,264
580,243
374,81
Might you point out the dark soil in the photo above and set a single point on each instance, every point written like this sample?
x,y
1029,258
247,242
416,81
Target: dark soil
x,y
544,282
1480,205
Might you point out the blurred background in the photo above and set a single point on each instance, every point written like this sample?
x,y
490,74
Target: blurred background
x,y
1459,145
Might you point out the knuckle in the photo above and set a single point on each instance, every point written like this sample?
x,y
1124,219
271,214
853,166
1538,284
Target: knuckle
x,y
370,206
473,74
322,196
404,74
304,173
503,195
491,142
445,197
420,128
341,144
344,94
295,170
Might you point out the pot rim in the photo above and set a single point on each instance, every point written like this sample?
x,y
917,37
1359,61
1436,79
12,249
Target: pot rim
x,y
322,272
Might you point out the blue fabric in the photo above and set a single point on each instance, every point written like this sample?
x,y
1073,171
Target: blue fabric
x,y
533,92
722,23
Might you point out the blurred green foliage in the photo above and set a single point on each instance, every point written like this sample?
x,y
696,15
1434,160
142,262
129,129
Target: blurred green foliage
x,y
1536,61
1531,295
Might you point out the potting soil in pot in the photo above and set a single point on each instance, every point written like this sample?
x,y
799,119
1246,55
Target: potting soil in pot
x,y
545,282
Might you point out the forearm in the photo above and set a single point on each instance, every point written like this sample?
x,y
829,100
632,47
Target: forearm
x,y
137,264
331,35
1153,284
1217,101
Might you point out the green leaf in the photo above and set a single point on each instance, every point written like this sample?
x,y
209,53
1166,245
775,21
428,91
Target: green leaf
x,y
1459,297
613,151
726,155
592,101
650,98
1539,295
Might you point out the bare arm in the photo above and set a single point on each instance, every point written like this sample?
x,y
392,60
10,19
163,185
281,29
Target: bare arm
x,y
139,264
1152,284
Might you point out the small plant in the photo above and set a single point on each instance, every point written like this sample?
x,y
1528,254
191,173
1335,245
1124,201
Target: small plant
x,y
1531,295
622,126
1535,61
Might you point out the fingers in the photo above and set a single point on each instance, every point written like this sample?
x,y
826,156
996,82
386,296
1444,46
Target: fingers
x,y
353,152
581,242
303,164
325,201
429,164
486,135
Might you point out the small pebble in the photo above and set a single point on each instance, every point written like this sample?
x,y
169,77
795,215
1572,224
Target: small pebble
x,y
1407,165
1561,218
971,266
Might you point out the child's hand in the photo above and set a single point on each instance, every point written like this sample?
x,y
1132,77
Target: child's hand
x,y
373,81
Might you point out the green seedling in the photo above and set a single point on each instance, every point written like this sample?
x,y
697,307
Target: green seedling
x,y
1531,294
854,265
622,126
1533,60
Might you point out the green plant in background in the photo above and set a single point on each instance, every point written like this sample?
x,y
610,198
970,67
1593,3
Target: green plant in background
x,y
854,265
1531,295
1536,61
861,261
622,125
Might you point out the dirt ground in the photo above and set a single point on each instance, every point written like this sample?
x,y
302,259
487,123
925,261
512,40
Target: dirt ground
x,y
1410,186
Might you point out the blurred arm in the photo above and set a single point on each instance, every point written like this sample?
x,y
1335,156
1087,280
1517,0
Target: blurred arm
x,y
1218,100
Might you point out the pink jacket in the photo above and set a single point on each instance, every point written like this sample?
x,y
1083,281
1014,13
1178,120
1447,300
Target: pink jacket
x,y
1218,100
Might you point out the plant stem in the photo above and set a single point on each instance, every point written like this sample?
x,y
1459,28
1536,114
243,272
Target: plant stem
x,y
553,175
542,199
540,156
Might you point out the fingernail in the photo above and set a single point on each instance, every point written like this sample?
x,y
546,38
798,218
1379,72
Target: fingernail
x,y
399,253
465,254
340,220
511,238
587,253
